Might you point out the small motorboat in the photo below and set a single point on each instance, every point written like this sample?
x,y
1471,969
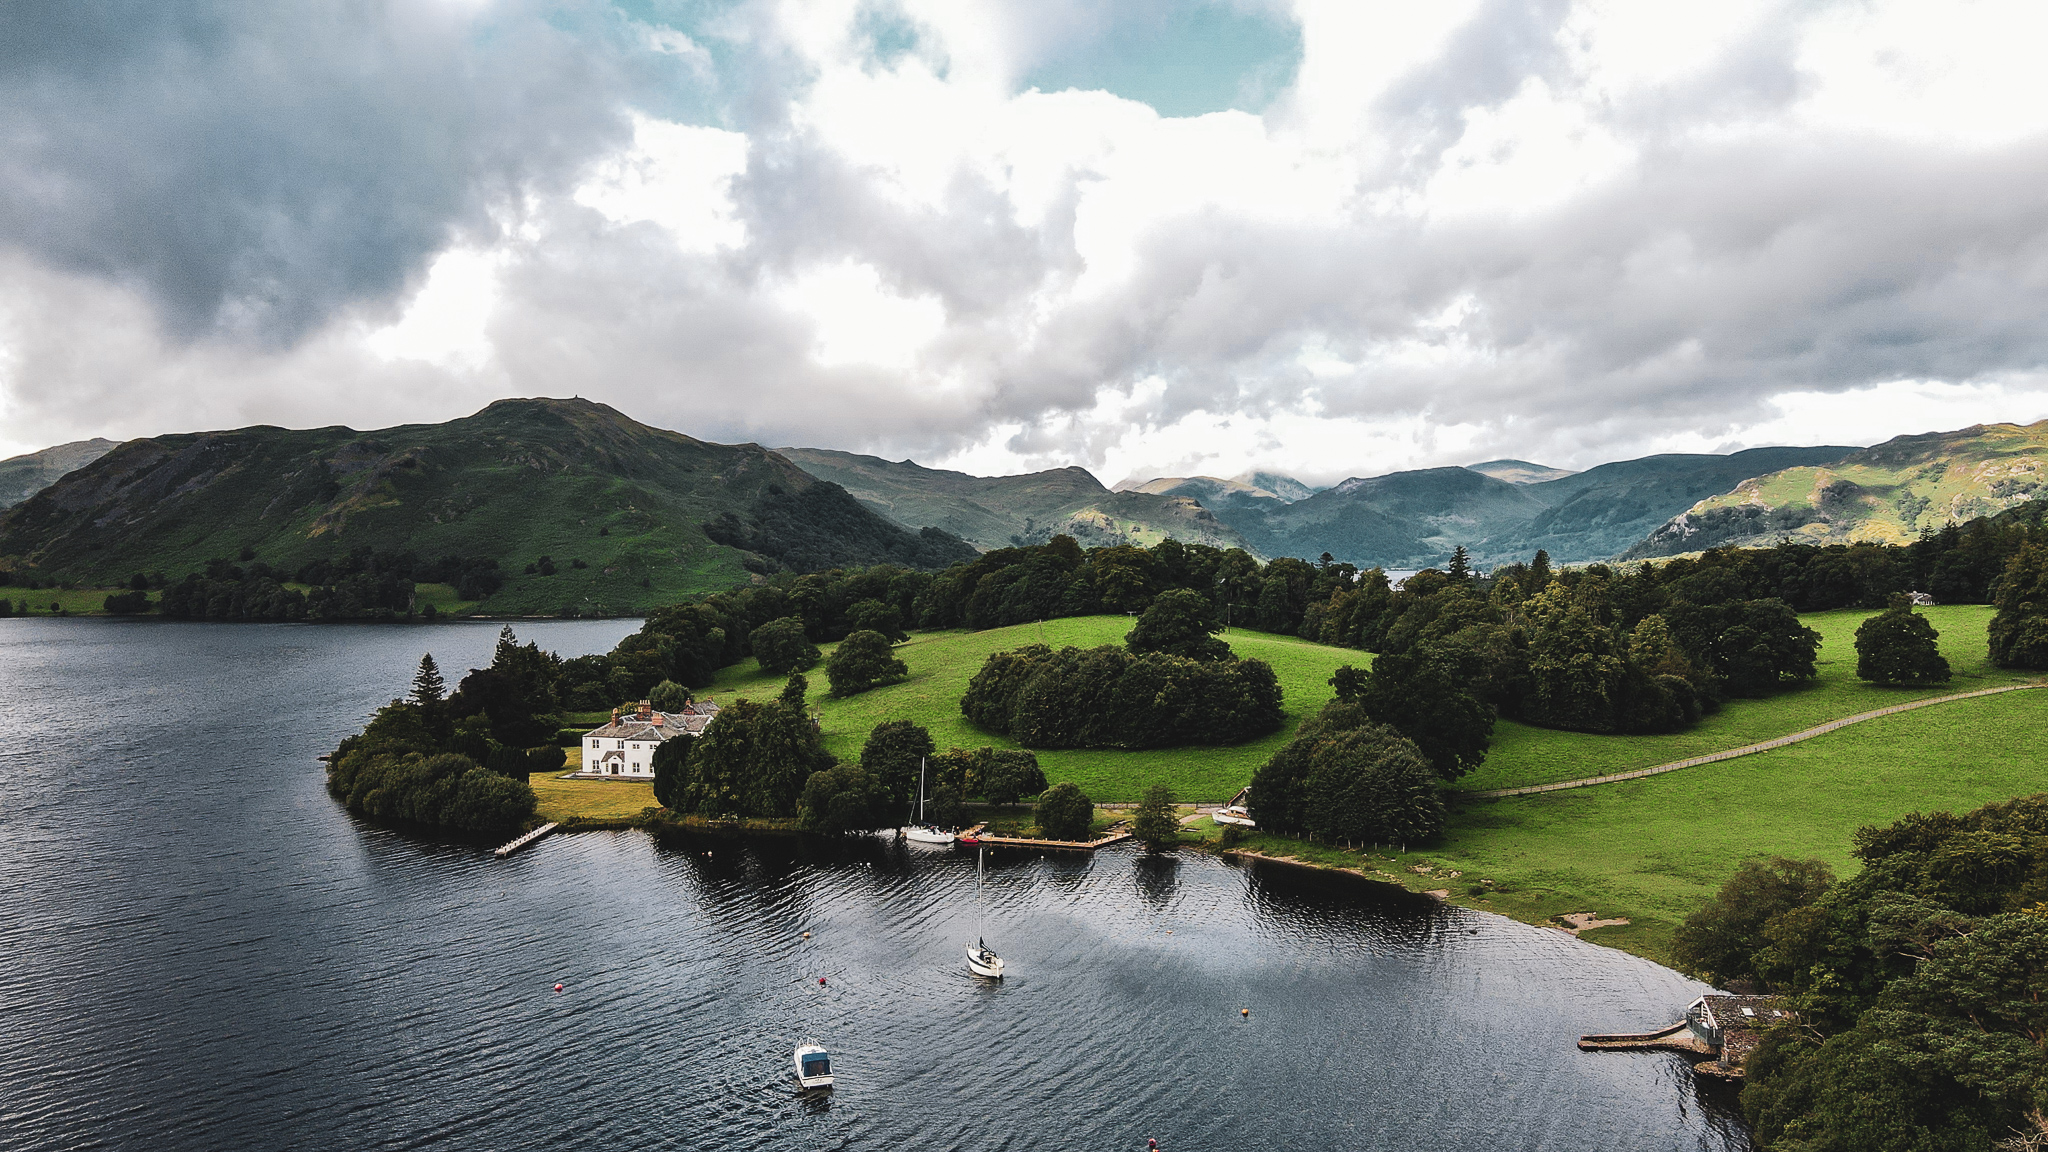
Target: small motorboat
x,y
1238,811
813,1065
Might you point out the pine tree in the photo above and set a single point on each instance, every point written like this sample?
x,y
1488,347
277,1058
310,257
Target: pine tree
x,y
794,689
427,686
1154,826
1461,565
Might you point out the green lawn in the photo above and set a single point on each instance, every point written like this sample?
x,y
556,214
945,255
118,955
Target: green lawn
x,y
72,601
941,664
1525,755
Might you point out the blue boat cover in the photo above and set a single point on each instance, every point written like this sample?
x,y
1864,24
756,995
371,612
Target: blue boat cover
x,y
818,1065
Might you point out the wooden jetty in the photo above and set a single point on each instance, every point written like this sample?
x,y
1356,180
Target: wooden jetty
x,y
523,841
1114,835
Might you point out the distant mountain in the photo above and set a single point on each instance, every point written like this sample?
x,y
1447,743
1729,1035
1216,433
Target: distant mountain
x,y
1001,511
1414,519
1285,487
23,476
630,516
1889,492
1520,471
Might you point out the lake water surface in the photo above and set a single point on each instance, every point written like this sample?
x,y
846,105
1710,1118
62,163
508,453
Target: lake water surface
x,y
200,950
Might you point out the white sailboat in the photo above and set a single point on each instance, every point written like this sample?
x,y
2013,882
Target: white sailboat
x,y
921,832
981,959
813,1065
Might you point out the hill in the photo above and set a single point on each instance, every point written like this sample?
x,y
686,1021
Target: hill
x,y
1520,471
23,476
1004,511
1887,493
629,516
1413,519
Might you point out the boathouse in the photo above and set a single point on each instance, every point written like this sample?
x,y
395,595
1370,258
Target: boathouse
x,y
1732,1026
624,748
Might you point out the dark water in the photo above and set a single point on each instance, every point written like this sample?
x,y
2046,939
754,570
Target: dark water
x,y
199,950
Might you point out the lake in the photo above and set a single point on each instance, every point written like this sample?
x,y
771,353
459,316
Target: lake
x,y
201,950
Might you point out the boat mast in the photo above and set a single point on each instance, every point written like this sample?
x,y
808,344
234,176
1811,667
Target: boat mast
x,y
920,791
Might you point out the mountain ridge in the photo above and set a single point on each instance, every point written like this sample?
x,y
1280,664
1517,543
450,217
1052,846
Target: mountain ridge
x,y
23,476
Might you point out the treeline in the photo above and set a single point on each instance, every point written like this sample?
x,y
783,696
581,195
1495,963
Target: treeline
x,y
363,585
1171,683
458,761
1918,981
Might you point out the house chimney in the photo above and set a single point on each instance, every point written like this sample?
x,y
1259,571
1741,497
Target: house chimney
x,y
646,709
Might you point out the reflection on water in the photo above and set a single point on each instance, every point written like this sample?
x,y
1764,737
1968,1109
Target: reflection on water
x,y
205,952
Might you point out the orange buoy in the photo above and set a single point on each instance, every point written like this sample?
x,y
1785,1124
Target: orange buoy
x,y
1244,1011
807,935
558,987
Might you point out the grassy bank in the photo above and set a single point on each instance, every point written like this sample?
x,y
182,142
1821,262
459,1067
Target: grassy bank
x,y
68,601
1653,850
941,664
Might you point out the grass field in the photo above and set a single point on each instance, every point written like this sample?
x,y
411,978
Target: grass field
x,y
588,799
941,664
1525,755
72,601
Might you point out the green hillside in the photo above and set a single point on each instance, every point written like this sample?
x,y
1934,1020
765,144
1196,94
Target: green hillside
x,y
1520,471
630,516
23,476
941,664
1888,493
1004,511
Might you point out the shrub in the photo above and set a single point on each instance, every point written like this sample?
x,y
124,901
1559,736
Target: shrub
x,y
863,661
1065,812
128,603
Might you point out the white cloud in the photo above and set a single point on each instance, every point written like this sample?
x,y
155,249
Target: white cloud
x,y
859,320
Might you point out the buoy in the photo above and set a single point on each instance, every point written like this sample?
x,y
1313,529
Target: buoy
x,y
1244,1011
807,935
821,981
558,987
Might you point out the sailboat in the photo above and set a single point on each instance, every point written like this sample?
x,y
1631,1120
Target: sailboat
x,y
921,832
981,959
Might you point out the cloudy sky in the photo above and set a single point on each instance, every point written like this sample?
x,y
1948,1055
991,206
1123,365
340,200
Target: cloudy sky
x,y
1331,237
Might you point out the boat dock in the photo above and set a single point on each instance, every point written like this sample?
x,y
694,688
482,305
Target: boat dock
x,y
1677,1038
523,841
1114,835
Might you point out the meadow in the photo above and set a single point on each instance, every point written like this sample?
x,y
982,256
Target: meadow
x,y
69,601
941,664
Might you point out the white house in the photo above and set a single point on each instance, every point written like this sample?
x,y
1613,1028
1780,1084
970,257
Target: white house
x,y
625,747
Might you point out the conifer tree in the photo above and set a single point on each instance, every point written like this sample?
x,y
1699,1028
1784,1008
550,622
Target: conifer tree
x,y
427,686
1154,825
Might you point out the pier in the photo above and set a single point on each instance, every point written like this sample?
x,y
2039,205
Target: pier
x,y
1114,835
523,841
1677,1038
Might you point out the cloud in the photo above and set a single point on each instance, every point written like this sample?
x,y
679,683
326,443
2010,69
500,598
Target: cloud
x,y
1556,230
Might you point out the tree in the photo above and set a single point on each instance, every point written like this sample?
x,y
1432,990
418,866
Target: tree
x,y
892,754
671,770
863,661
753,760
428,689
2019,630
1370,784
1460,567
1179,622
1008,775
668,696
844,798
1155,826
782,646
1065,812
1423,694
1898,646
875,616
1719,941
127,603
794,689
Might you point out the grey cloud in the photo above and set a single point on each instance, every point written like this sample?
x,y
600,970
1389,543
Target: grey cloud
x,y
253,167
